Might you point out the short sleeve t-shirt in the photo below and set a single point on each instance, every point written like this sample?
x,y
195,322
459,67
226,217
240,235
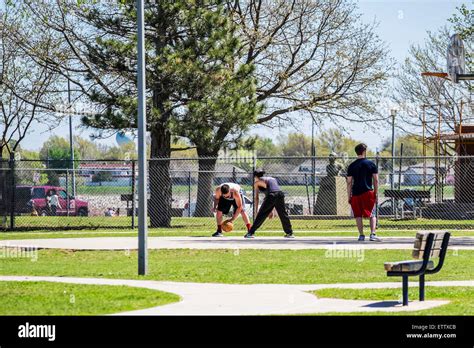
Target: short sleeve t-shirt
x,y
361,171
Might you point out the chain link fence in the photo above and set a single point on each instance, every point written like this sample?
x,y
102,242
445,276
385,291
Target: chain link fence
x,y
414,193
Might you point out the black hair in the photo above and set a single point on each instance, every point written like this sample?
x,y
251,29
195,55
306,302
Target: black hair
x,y
360,148
259,173
225,189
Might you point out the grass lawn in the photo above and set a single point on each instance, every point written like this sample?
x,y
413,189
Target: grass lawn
x,y
462,299
45,298
231,266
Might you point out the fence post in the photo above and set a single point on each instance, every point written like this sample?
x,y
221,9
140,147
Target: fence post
x,y
307,192
133,194
189,194
67,192
12,187
3,193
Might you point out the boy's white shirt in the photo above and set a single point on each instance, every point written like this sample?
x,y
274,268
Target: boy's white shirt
x,y
55,201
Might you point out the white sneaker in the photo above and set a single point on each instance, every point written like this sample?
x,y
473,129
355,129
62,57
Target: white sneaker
x,y
373,238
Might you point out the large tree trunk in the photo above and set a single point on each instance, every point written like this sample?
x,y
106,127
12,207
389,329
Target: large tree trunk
x,y
159,204
207,166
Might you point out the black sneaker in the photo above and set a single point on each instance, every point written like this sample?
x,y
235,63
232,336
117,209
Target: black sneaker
x,y
218,234
249,235
289,235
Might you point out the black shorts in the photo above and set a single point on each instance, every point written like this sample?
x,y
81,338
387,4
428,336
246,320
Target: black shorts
x,y
224,205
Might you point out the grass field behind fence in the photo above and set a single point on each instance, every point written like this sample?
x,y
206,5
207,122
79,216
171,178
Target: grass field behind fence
x,y
290,190
193,224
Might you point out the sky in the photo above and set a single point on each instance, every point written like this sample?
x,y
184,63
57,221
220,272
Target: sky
x,y
401,23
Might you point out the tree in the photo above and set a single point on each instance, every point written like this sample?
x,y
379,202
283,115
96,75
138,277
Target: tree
x,y
265,147
28,176
122,152
87,149
308,55
312,56
333,140
296,144
222,102
412,147
56,153
99,40
102,176
433,98
21,80
182,148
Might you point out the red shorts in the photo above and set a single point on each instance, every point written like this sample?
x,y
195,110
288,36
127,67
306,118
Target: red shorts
x,y
363,205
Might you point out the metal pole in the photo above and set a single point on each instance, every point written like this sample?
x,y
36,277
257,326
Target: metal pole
x,y
189,193
71,141
393,113
133,194
422,287
400,168
67,192
307,191
254,192
313,166
424,146
142,169
438,160
460,142
12,192
377,160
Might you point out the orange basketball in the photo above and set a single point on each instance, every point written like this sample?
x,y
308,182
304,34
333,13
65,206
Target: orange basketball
x,y
227,226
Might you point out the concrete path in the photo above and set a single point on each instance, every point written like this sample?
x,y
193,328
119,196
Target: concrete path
x,y
255,299
124,243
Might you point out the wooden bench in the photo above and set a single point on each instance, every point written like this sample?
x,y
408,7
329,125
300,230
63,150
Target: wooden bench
x,y
428,245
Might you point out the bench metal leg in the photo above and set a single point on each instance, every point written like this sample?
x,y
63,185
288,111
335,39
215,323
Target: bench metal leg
x,y
405,290
422,287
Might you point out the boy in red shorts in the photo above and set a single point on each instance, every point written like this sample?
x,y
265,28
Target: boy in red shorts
x,y
362,187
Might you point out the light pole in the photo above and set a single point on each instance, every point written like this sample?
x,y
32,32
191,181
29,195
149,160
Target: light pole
x,y
71,142
313,163
142,179
393,113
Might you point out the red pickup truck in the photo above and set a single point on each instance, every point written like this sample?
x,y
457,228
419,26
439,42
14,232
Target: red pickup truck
x,y
29,197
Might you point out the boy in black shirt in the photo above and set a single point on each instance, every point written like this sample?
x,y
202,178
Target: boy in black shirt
x,y
362,187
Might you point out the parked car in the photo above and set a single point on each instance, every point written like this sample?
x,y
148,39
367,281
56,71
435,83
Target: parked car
x,y
28,198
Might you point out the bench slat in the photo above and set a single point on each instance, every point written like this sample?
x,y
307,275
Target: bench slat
x,y
406,266
420,244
